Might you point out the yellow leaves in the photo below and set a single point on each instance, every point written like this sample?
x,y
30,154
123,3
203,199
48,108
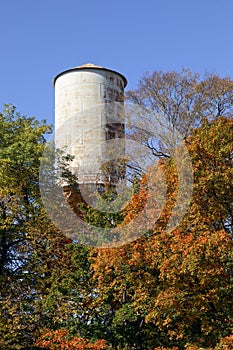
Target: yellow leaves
x,y
226,343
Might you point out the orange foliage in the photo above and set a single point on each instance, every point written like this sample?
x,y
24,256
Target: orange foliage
x,y
60,340
137,202
181,280
226,343
158,200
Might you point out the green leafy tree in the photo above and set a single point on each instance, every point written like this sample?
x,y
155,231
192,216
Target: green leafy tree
x,y
45,277
22,218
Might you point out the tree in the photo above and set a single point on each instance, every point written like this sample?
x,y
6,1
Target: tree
x,y
22,218
179,281
45,277
178,101
27,236
162,288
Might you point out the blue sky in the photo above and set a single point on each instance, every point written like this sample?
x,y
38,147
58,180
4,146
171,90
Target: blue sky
x,y
39,39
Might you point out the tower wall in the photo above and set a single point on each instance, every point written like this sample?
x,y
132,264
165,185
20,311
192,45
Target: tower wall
x,y
89,113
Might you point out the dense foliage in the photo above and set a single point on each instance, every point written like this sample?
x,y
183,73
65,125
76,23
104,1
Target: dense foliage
x,y
164,290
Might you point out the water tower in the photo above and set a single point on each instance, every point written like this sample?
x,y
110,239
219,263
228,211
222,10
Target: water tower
x,y
89,113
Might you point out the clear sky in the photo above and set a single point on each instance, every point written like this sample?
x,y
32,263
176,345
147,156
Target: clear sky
x,y
40,38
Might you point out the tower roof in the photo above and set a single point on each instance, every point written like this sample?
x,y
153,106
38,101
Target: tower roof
x,y
90,66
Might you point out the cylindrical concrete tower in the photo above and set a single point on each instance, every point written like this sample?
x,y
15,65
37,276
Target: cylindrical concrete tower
x,y
88,114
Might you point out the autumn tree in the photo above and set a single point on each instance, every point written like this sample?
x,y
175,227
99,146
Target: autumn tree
x,y
163,288
179,281
177,100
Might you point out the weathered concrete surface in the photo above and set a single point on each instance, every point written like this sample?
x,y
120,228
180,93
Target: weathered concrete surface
x,y
89,111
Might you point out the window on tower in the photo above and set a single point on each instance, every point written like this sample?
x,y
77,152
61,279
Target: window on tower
x,y
114,130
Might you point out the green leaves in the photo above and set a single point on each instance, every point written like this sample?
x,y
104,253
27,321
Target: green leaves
x,y
164,289
22,221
